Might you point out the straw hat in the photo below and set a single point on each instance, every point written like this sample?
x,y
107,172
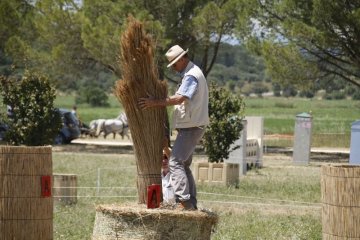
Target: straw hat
x,y
174,54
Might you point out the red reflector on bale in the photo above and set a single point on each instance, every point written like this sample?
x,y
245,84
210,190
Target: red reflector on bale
x,y
153,196
45,186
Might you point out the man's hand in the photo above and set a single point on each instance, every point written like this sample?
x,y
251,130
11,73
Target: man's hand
x,y
148,102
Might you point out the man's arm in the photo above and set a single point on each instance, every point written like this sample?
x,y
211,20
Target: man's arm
x,y
150,101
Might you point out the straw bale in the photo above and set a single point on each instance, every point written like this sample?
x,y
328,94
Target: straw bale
x,y
24,213
25,229
340,194
140,79
22,160
131,221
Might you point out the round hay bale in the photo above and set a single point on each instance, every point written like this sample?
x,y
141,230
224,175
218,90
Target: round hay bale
x,y
137,222
340,194
25,213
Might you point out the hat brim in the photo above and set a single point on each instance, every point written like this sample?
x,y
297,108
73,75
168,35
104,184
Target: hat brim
x,y
177,58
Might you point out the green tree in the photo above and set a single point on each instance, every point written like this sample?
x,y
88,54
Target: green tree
x,y
101,25
210,24
226,113
51,42
15,19
192,24
303,41
34,120
68,39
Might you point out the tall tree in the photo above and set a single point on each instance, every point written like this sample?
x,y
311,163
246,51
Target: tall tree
x,y
52,43
13,15
199,25
69,39
14,19
304,41
100,30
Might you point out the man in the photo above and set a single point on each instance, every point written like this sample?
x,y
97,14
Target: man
x,y
190,119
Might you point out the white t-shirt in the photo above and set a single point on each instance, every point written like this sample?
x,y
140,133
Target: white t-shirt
x,y
167,190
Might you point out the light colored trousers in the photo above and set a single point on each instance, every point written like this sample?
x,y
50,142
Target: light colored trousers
x,y
182,179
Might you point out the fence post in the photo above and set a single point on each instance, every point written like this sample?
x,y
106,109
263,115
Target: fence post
x,y
98,182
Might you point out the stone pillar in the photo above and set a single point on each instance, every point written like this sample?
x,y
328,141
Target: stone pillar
x,y
355,143
302,138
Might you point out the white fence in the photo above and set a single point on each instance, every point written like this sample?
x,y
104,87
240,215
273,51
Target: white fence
x,y
251,143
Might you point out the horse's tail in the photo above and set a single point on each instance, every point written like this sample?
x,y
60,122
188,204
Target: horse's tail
x,y
100,126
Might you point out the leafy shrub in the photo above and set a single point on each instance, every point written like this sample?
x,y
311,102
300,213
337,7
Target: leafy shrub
x,y
337,95
356,95
277,89
289,91
259,88
226,114
92,95
307,93
34,121
350,90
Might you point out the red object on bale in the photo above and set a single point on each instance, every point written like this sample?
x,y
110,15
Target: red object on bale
x,y
153,196
46,186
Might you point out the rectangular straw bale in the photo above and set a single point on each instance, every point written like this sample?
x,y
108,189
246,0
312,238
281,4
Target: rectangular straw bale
x,y
24,213
25,160
30,186
24,229
26,208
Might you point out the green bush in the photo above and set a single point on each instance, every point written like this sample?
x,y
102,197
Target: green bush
x,y
284,105
226,114
289,91
307,93
356,95
34,120
335,95
92,95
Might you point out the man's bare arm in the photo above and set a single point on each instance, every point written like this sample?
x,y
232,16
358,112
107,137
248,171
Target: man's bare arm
x,y
169,101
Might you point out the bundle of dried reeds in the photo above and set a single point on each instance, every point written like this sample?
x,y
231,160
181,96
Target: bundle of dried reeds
x,y
140,79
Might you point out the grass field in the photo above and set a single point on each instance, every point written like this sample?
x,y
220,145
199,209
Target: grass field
x,y
278,201
331,118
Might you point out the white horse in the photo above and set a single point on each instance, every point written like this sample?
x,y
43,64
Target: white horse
x,y
118,125
94,127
